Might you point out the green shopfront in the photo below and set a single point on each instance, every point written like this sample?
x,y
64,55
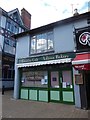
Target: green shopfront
x,y
47,78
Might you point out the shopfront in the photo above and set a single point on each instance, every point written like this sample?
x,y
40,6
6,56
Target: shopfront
x,y
8,71
81,63
47,78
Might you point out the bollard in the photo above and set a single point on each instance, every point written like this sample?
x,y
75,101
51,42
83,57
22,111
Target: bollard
x,y
3,90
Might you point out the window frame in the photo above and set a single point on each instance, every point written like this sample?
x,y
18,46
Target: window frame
x,y
11,48
45,50
33,80
12,26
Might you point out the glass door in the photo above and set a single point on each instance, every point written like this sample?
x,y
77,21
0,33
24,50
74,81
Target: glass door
x,y
67,87
61,86
55,86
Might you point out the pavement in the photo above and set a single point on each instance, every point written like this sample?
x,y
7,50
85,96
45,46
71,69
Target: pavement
x,y
12,108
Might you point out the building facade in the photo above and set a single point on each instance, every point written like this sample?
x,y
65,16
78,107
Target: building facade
x,y
10,23
82,63
43,68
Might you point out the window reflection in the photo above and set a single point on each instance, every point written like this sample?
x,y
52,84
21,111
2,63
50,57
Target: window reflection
x,y
42,42
33,42
50,40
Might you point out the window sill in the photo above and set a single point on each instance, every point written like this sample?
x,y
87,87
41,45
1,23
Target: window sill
x,y
43,53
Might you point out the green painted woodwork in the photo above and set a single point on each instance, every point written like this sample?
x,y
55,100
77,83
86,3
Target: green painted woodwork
x,y
68,96
54,95
33,94
63,95
46,57
43,95
24,94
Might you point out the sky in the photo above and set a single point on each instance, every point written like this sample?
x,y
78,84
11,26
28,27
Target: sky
x,y
46,11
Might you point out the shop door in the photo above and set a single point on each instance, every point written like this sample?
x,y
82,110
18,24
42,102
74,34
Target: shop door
x,y
87,79
55,86
61,86
67,87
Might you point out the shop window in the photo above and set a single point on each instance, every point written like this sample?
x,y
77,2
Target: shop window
x,y
8,72
67,79
42,43
5,72
54,79
34,79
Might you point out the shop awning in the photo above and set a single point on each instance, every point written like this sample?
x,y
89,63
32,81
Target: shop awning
x,y
66,60
81,59
82,67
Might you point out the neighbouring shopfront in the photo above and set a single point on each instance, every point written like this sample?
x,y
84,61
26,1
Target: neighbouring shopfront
x,y
81,63
8,71
47,78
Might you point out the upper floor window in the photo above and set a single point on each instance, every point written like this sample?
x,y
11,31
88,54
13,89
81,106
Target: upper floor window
x,y
42,42
8,25
12,27
9,46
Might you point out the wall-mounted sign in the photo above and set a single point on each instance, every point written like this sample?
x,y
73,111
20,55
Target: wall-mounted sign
x,y
46,57
78,79
83,39
82,67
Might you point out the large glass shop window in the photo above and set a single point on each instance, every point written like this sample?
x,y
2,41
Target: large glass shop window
x,y
67,79
34,79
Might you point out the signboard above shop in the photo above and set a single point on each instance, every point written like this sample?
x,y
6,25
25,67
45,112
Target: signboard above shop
x,y
46,57
83,39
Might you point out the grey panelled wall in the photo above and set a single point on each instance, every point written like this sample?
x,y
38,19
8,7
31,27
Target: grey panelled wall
x,y
16,84
80,23
22,47
76,91
63,38
22,51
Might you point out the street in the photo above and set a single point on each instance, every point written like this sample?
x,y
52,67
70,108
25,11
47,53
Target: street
x,y
12,108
